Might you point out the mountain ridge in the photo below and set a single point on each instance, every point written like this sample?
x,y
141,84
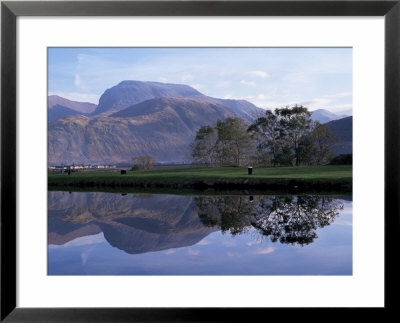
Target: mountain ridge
x,y
129,93
324,116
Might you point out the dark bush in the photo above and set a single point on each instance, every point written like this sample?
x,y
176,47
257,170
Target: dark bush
x,y
343,159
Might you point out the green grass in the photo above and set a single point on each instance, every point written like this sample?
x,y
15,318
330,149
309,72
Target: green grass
x,y
185,175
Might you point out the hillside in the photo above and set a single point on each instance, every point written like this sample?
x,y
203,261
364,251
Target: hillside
x,y
343,129
83,107
163,128
58,112
59,107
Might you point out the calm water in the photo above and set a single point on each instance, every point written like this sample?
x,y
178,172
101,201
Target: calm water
x,y
141,234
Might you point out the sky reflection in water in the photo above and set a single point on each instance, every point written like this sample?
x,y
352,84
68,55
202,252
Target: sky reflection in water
x,y
140,234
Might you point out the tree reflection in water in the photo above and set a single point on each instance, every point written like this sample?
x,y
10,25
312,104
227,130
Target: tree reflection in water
x,y
287,219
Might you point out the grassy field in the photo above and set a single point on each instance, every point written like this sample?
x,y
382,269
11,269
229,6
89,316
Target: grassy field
x,y
187,176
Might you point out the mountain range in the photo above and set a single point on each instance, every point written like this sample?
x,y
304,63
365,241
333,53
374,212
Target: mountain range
x,y
135,118
129,93
324,116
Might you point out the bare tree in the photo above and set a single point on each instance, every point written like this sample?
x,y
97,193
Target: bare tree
x,y
143,162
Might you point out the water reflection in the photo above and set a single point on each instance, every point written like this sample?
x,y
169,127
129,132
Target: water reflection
x,y
136,223
287,219
142,223
161,234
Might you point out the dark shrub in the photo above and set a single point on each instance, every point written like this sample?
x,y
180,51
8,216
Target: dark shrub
x,y
343,159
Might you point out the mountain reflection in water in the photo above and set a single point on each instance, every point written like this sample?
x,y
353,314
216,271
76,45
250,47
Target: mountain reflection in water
x,y
143,223
133,223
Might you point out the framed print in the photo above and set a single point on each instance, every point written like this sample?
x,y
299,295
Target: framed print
x,y
198,159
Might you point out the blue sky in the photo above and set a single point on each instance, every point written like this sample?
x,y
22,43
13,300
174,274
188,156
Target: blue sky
x,y
318,78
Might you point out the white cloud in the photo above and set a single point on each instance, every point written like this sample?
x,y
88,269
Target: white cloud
x,y
186,77
225,73
260,74
169,252
196,86
234,254
317,103
342,109
229,243
84,257
247,83
193,252
346,223
338,95
228,96
223,84
87,240
251,243
300,79
264,251
330,102
203,243
260,100
77,80
163,79
261,97
87,58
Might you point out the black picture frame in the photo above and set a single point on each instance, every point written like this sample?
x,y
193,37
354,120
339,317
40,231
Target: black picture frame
x,y
10,10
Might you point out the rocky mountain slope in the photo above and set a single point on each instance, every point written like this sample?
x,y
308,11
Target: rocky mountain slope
x,y
163,128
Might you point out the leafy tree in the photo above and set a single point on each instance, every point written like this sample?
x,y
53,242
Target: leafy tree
x,y
288,136
323,139
306,151
266,132
285,155
204,146
233,143
285,137
227,143
295,123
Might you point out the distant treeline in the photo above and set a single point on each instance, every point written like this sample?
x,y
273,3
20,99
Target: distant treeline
x,y
283,137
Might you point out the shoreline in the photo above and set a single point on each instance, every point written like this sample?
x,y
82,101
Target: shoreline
x,y
284,179
257,184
